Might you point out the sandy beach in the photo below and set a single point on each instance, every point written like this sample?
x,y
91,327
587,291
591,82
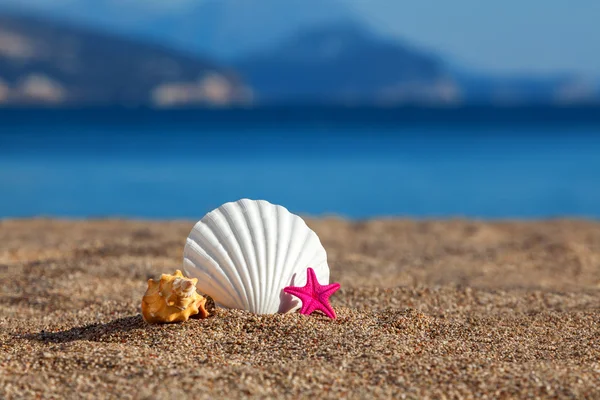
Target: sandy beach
x,y
427,309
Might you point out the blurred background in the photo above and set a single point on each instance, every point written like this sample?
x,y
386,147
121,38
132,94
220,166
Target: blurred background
x,y
358,108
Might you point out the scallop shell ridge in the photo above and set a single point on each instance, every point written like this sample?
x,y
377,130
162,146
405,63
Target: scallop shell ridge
x,y
245,252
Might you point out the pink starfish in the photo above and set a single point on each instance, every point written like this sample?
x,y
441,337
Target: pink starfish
x,y
314,296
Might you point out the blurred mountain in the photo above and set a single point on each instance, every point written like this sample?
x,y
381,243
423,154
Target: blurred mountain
x,y
44,62
223,29
292,51
346,63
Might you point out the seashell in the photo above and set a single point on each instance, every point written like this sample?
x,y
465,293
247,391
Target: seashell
x,y
245,252
174,299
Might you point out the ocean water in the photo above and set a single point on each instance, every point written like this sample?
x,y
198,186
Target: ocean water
x,y
356,163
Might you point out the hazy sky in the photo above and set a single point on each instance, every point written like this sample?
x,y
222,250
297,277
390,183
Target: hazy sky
x,y
500,36
506,35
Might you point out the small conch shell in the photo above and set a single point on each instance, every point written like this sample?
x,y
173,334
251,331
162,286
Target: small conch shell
x,y
174,299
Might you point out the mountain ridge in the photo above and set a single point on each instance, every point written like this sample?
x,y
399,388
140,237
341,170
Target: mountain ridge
x,y
221,29
45,62
346,62
55,63
383,71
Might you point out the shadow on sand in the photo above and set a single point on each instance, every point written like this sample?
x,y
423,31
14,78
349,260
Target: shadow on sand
x,y
92,332
287,301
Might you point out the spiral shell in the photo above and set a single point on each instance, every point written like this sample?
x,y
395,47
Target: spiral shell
x,y
174,299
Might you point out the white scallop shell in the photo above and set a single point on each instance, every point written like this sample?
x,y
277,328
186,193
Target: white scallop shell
x,y
245,252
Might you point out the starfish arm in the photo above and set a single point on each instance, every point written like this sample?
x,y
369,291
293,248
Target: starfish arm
x,y
328,290
309,306
300,293
311,278
296,291
326,308
324,294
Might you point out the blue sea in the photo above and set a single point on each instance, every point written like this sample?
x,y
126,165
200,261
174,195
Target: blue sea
x,y
479,162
